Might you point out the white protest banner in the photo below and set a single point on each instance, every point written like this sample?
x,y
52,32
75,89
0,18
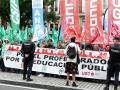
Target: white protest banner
x,y
92,64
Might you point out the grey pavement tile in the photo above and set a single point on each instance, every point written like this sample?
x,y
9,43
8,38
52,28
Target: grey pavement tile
x,y
54,81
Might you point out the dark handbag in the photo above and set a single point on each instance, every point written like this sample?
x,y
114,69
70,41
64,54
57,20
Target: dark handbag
x,y
78,58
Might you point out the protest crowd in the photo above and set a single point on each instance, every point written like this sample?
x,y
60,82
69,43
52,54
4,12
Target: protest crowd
x,y
42,39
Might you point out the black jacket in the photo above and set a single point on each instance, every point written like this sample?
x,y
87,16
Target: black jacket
x,y
28,48
114,52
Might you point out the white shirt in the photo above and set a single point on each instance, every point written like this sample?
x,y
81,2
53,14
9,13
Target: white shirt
x,y
77,49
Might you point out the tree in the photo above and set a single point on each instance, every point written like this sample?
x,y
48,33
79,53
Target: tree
x,y
5,10
26,12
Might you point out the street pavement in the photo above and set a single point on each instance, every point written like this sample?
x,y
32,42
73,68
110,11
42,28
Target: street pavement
x,y
13,87
49,83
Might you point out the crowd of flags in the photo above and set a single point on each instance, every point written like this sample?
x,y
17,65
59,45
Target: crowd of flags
x,y
101,34
20,36
13,33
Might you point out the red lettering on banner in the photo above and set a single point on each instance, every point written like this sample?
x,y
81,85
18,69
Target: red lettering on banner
x,y
88,74
60,52
14,48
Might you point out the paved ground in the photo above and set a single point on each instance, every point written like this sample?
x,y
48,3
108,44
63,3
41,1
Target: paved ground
x,y
49,82
13,87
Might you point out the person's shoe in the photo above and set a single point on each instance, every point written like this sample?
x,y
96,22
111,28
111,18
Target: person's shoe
x,y
24,78
67,83
106,88
115,88
74,84
3,70
29,79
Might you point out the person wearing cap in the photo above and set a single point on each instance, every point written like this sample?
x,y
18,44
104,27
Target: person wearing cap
x,y
113,63
28,49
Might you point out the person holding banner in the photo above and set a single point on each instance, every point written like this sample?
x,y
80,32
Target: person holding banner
x,y
71,51
113,64
28,49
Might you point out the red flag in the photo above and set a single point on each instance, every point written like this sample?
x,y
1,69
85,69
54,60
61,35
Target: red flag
x,y
95,35
70,16
115,30
84,34
113,19
70,32
93,18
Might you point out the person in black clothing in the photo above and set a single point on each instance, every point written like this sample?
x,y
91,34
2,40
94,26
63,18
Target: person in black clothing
x,y
28,49
113,64
2,66
50,44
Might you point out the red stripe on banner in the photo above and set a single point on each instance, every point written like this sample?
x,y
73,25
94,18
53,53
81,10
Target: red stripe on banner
x,y
70,19
114,19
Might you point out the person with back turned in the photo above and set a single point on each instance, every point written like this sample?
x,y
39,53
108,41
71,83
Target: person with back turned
x,y
28,49
72,52
113,63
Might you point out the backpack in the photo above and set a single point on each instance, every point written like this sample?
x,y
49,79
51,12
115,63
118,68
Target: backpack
x,y
71,52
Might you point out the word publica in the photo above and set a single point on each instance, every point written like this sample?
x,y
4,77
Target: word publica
x,y
93,64
94,67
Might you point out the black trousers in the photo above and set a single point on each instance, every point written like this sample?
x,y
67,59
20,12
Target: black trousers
x,y
27,67
113,71
2,66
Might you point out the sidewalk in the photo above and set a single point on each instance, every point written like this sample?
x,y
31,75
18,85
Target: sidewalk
x,y
49,82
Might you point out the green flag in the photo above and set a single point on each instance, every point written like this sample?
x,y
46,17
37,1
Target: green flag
x,y
7,31
30,31
48,37
11,37
54,36
20,37
22,34
14,16
2,33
